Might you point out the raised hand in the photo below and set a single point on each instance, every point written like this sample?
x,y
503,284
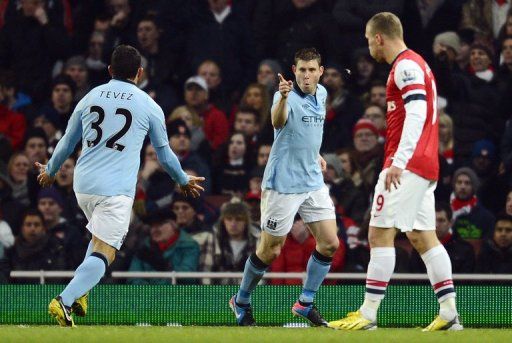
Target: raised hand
x,y
192,187
43,178
285,87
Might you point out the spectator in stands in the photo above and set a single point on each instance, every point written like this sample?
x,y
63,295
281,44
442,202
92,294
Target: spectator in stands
x,y
257,98
162,93
368,153
425,19
284,29
12,125
378,117
18,168
263,152
471,219
485,16
215,124
12,97
30,43
50,126
161,62
467,37
493,187
232,166
508,203
76,68
350,200
210,71
496,253
253,195
247,122
352,16
98,73
365,71
267,75
446,137
36,147
51,203
35,249
504,77
154,191
474,108
64,184
377,94
179,139
506,29
446,49
461,252
194,124
122,27
186,210
58,110
6,236
223,34
235,239
166,249
343,109
296,251
349,166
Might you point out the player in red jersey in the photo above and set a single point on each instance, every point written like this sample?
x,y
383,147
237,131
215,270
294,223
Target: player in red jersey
x,y
404,194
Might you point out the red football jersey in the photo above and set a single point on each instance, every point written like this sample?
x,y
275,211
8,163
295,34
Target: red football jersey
x,y
412,141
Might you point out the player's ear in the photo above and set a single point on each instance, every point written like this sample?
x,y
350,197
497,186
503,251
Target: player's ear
x,y
139,72
294,68
321,70
379,39
110,71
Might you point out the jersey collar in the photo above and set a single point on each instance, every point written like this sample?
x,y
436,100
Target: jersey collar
x,y
124,80
299,91
398,56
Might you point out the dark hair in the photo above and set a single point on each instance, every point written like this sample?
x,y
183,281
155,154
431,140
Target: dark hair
x,y
504,217
247,109
32,212
152,18
308,54
35,132
444,207
125,62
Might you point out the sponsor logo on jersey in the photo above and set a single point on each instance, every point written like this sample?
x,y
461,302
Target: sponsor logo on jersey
x,y
408,75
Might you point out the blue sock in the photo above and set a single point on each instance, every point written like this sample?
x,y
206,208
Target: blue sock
x,y
87,275
253,272
318,267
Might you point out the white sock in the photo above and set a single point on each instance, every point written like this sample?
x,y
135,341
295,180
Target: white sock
x,y
439,270
380,269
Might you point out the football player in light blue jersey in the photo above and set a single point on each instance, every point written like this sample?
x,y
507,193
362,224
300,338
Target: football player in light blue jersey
x,y
111,121
293,182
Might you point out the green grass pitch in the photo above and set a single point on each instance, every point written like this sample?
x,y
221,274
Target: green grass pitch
x,y
127,334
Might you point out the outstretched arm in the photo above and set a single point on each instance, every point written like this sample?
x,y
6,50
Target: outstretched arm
x,y
63,149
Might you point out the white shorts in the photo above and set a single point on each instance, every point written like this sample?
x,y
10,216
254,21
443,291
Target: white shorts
x,y
279,209
108,216
410,207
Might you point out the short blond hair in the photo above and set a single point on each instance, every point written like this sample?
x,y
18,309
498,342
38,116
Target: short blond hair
x,y
386,23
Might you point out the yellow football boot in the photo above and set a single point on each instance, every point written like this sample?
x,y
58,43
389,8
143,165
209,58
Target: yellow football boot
x,y
440,324
57,310
353,321
79,307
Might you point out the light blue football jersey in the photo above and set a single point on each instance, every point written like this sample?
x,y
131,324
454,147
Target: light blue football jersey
x,y
293,162
112,121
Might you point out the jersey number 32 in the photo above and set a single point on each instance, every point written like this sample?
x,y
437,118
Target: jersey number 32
x,y
112,141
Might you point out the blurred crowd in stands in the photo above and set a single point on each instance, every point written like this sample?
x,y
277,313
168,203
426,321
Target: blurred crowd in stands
x,y
212,66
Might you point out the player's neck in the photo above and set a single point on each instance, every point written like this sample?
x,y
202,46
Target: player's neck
x,y
395,48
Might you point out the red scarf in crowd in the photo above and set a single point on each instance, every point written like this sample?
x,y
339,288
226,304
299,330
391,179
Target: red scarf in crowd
x,y
460,207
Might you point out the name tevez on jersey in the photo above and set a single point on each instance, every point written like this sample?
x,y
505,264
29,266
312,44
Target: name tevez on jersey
x,y
113,120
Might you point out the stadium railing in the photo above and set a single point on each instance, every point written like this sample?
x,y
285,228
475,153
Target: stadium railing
x,y
483,300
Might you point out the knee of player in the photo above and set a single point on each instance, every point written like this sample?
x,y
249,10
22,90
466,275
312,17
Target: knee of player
x,y
269,253
330,247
